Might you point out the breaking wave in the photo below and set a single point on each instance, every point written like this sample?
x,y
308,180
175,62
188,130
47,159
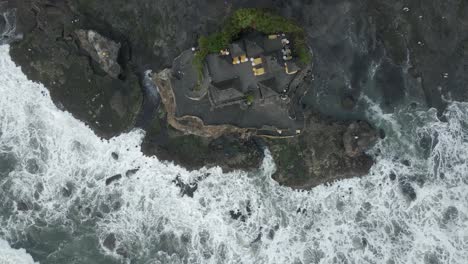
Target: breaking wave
x,y
54,201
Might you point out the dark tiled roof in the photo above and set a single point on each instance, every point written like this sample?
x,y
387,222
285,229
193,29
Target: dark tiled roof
x,y
253,49
226,84
271,83
271,45
237,49
220,68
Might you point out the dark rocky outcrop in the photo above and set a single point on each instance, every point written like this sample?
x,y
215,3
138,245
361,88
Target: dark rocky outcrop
x,y
50,52
318,155
229,151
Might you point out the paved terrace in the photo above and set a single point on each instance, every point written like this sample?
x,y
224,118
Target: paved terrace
x,y
272,114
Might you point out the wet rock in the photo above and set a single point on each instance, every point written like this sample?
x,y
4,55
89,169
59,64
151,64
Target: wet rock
x,y
301,210
8,163
228,152
185,189
407,190
113,179
313,256
358,138
102,50
22,206
131,172
258,238
115,156
237,215
359,242
392,176
367,206
67,191
450,214
122,252
110,242
271,234
340,205
406,162
382,134
32,166
431,258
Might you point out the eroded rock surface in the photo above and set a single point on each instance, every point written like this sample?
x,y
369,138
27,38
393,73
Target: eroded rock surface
x,y
102,50
318,155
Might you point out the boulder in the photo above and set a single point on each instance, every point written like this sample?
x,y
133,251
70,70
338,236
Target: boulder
x,y
102,50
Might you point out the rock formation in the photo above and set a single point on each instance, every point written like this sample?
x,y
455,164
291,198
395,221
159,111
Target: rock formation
x,y
102,50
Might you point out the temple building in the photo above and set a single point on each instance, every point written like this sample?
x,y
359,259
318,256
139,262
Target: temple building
x,y
253,68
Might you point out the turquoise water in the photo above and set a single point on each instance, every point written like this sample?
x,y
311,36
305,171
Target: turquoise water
x,y
56,208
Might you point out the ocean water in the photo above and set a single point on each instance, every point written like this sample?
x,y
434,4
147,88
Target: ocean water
x,y
56,206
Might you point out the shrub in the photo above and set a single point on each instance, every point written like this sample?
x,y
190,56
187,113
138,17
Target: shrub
x,y
250,98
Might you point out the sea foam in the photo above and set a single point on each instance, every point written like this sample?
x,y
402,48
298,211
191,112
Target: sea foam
x,y
9,255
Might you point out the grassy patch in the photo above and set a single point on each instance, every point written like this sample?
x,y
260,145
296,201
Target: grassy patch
x,y
251,18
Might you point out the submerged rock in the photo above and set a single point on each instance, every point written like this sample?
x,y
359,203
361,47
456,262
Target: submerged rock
x,y
115,156
110,242
450,214
131,172
22,206
102,50
113,179
408,190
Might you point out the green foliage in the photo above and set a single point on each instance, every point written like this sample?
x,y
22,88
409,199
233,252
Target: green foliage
x,y
301,49
250,98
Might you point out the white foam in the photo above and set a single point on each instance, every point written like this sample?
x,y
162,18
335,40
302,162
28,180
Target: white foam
x,y
154,216
9,255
